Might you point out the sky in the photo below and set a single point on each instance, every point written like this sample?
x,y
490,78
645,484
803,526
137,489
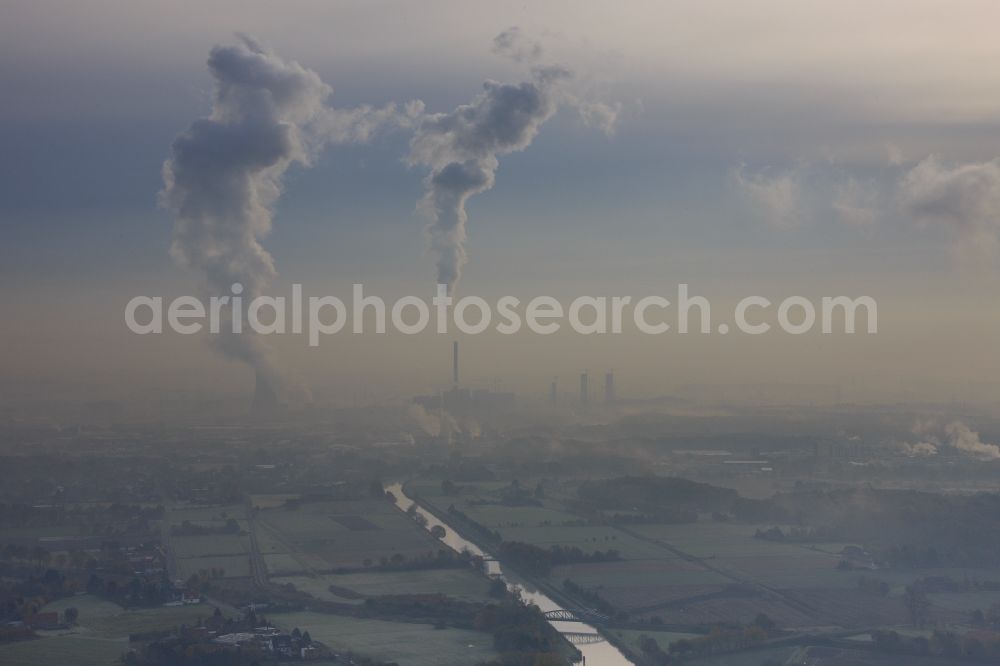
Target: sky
x,y
779,148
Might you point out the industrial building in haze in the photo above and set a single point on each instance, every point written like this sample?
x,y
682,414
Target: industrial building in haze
x,y
459,400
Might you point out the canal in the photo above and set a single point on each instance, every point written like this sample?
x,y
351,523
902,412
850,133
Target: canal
x,y
595,649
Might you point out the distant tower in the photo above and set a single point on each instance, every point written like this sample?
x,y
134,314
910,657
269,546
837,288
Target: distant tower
x,y
584,397
609,387
454,362
265,402
553,390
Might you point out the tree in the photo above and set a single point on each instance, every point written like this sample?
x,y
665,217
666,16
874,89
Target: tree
x,y
916,604
762,621
498,589
306,638
438,532
71,615
40,556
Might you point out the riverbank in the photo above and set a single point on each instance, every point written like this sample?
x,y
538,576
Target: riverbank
x,y
609,652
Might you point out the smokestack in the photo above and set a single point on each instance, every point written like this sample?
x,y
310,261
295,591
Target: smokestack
x,y
264,399
609,387
454,362
584,397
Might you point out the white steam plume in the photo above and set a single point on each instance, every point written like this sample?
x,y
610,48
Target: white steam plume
x,y
965,199
918,449
225,172
961,437
461,148
956,435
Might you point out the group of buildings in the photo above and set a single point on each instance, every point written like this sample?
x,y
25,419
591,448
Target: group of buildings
x,y
458,400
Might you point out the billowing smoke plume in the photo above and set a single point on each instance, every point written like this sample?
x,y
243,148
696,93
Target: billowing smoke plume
x,y
225,173
966,440
965,199
918,449
955,435
927,442
438,423
461,148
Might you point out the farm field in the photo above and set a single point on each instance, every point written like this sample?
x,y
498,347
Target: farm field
x,y
732,550
632,638
587,539
196,553
64,650
103,619
210,546
204,514
101,636
965,602
232,566
328,535
779,655
704,572
404,643
459,583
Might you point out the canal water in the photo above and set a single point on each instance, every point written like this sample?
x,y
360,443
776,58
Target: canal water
x,y
596,651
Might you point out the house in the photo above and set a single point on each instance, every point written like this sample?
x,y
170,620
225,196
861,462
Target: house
x,y
282,644
47,620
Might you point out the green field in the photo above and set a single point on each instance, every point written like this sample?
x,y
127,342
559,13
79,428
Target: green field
x,y
460,583
101,635
216,513
405,643
732,550
233,566
328,535
103,619
631,638
588,539
282,564
69,650
208,546
965,601
204,552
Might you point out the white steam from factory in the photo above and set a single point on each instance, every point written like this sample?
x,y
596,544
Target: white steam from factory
x,y
225,172
462,148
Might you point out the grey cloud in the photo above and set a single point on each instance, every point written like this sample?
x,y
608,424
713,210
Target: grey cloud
x,y
964,199
224,173
856,201
513,44
776,197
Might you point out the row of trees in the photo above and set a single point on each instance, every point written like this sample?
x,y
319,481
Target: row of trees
x,y
539,561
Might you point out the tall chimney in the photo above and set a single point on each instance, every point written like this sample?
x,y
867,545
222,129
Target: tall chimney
x,y
584,397
609,387
454,362
264,399
553,390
